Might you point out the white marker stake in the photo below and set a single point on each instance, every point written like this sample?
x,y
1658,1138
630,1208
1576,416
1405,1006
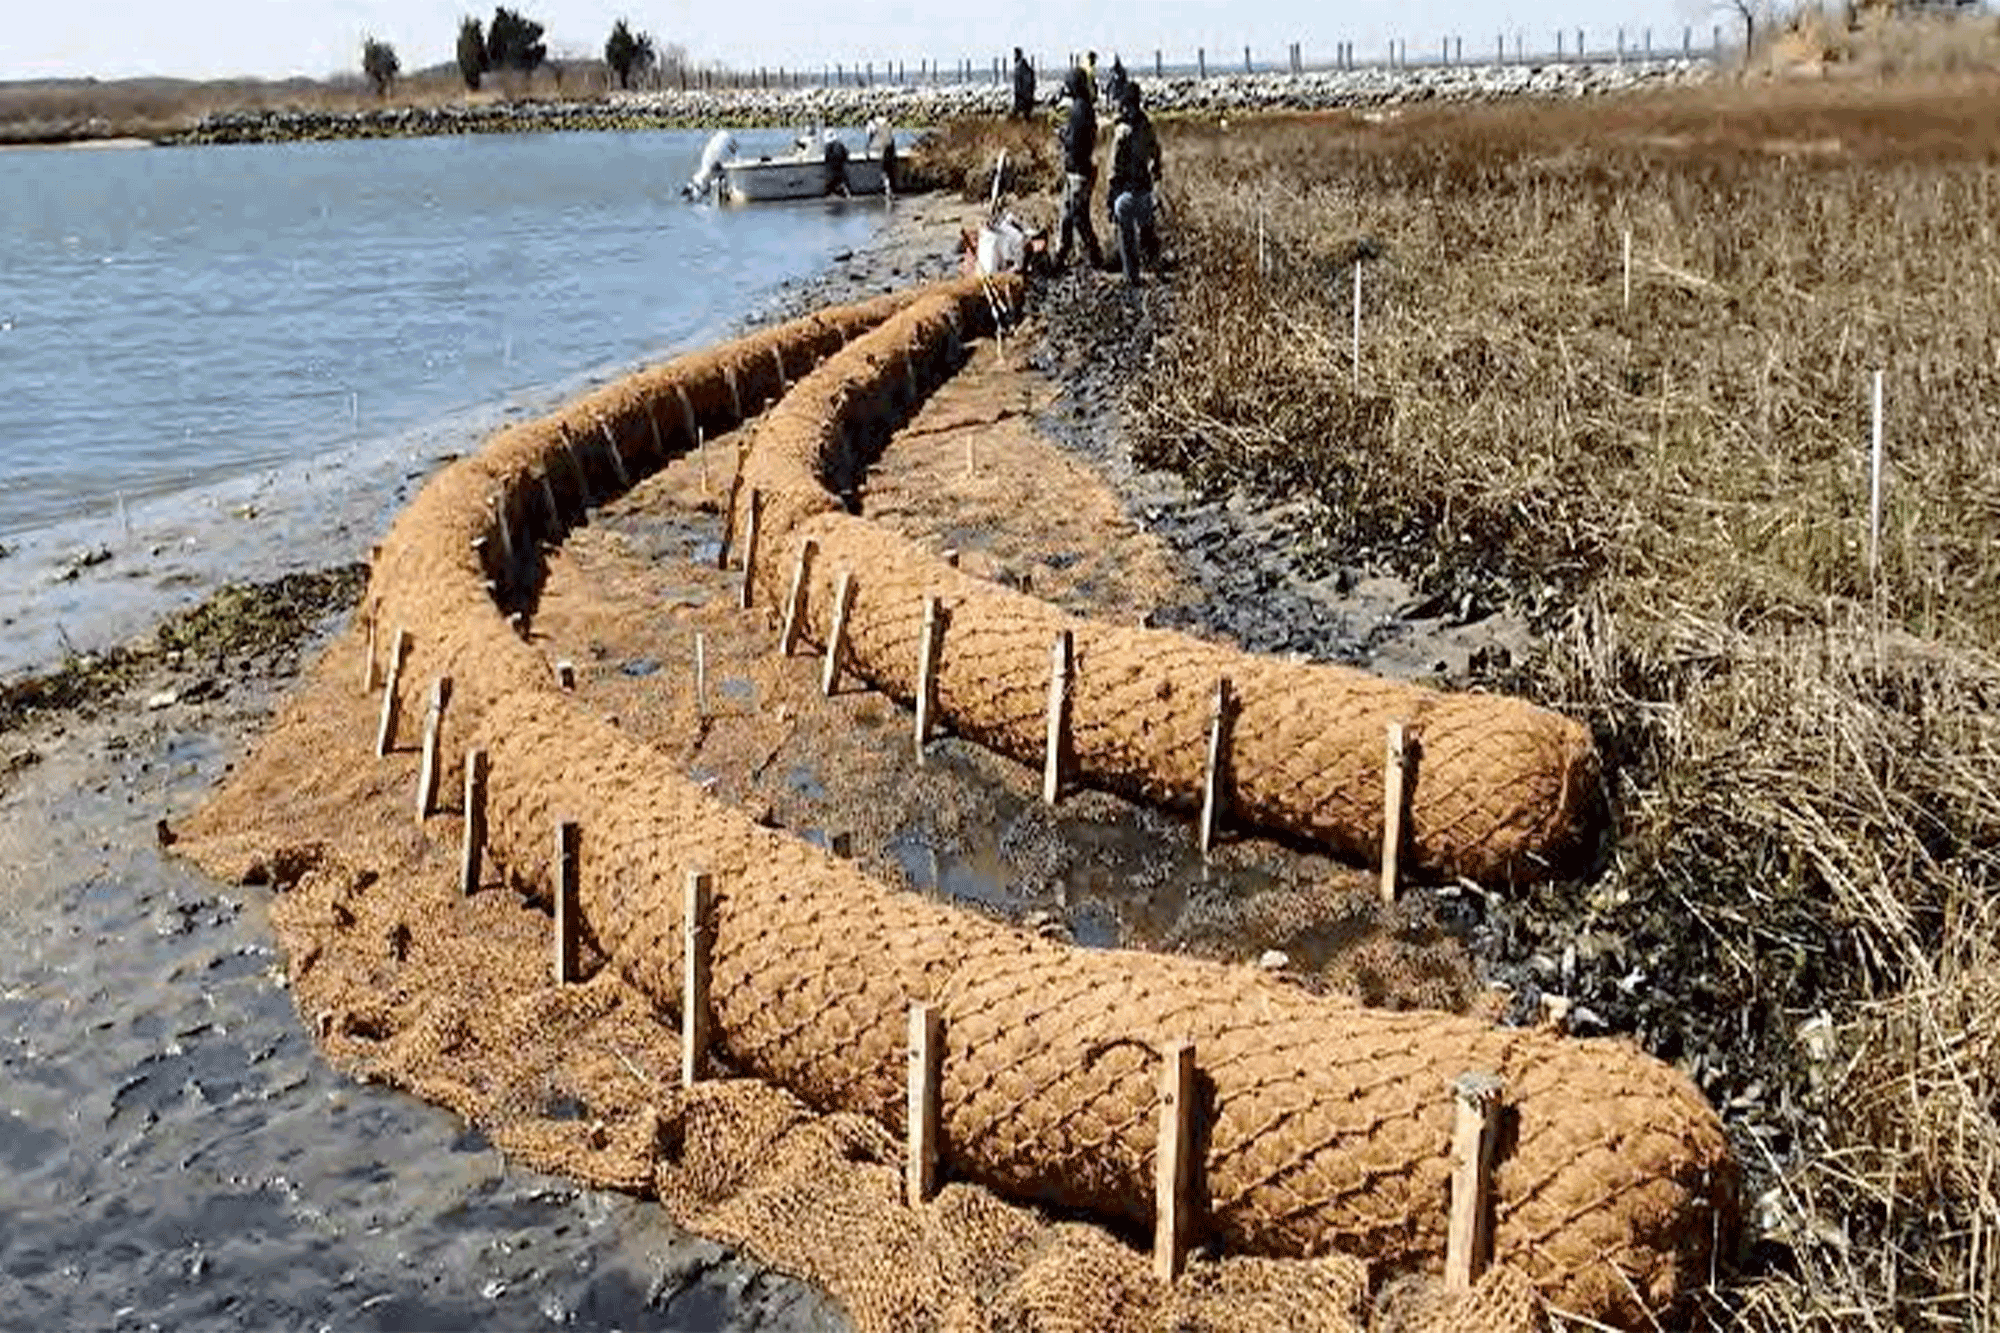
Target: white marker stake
x,y
1875,486
1628,268
1357,326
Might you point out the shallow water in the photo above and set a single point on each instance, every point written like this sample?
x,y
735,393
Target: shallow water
x,y
231,362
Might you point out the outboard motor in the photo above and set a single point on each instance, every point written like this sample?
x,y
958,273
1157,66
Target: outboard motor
x,y
708,177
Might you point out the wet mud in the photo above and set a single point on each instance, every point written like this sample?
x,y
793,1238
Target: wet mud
x,y
177,1155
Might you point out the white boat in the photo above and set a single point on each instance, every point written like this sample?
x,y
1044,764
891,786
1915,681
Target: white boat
x,y
802,173
796,175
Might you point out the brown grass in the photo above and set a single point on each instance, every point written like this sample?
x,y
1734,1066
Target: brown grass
x,y
1805,893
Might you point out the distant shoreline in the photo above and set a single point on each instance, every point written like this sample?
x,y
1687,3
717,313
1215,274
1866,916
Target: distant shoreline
x,y
904,104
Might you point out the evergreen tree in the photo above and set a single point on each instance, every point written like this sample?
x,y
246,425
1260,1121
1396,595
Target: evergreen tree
x,y
628,53
471,52
514,41
380,63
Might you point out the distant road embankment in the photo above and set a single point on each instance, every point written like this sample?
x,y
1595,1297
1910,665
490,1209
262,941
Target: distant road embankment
x,y
930,105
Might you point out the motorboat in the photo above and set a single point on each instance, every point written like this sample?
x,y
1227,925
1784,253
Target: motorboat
x,y
808,171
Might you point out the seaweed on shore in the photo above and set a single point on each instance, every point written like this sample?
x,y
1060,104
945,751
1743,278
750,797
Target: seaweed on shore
x,y
248,620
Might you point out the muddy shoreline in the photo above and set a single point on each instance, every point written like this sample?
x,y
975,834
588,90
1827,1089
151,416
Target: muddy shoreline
x,y
179,1154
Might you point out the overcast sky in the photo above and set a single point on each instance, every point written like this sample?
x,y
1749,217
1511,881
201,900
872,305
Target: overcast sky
x,y
213,38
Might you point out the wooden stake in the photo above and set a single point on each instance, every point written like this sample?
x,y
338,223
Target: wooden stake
x,y
700,674
1173,1174
1062,662
385,734
836,639
427,771
688,423
1215,780
659,444
617,458
1357,326
475,822
750,546
778,360
583,496
926,1062
1468,1240
735,393
701,452
1875,482
371,669
566,675
841,844
502,521
729,519
795,600
927,665
696,938
549,498
569,934
1395,780
951,556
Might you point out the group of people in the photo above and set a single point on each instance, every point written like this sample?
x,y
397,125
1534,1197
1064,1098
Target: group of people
x,y
1135,166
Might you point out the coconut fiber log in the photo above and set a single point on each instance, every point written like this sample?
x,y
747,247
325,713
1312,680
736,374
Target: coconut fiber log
x,y
1327,1126
1501,789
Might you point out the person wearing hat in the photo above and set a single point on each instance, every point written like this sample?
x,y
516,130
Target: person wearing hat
x,y
1135,171
1078,138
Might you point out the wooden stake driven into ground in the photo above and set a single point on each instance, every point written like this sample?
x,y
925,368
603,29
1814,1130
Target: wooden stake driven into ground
x,y
474,845
1062,663
1173,1175
371,669
1214,784
427,771
497,503
653,424
927,664
836,639
566,675
750,525
549,498
795,600
568,923
584,497
700,674
1475,1126
696,939
1395,802
617,458
385,733
926,1062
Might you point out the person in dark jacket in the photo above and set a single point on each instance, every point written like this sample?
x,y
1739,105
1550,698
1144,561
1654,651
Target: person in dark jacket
x,y
1135,170
1116,83
1078,137
836,165
1024,86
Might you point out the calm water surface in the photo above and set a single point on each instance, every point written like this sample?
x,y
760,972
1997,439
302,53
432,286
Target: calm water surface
x,y
223,362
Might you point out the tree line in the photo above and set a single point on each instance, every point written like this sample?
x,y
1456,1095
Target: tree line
x,y
512,42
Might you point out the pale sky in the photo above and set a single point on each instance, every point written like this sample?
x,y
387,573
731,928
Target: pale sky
x,y
273,38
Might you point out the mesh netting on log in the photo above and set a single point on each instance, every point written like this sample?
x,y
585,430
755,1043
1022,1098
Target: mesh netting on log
x,y
1327,1126
1500,789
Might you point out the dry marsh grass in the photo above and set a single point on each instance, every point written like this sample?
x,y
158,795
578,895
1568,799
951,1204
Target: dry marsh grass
x,y
1802,903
